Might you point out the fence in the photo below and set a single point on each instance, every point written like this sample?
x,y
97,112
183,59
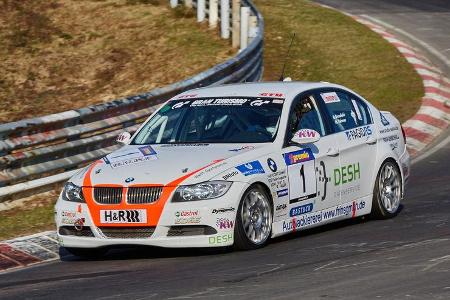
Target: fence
x,y
39,152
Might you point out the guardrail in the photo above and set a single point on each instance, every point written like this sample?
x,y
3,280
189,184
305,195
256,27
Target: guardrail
x,y
39,152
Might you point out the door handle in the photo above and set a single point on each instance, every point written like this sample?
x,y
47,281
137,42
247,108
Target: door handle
x,y
333,152
371,140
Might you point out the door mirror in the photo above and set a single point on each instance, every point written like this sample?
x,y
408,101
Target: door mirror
x,y
123,138
305,136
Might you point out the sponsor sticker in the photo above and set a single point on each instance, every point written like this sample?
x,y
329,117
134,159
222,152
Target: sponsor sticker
x,y
358,133
251,168
384,121
223,210
298,156
282,193
125,158
300,210
187,217
123,216
220,239
331,97
272,165
224,223
242,148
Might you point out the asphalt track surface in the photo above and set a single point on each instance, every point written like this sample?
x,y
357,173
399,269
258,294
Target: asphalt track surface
x,y
405,257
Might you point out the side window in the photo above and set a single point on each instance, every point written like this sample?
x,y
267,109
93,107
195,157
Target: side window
x,y
362,111
301,118
341,110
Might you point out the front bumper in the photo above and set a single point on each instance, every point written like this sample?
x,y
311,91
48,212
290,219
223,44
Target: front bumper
x,y
207,223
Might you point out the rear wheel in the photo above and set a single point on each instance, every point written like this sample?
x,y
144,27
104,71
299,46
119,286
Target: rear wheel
x,y
87,252
253,220
387,192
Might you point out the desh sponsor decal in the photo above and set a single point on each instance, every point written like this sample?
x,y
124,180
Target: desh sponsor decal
x,y
224,223
223,210
347,174
220,239
298,156
358,133
331,97
282,193
301,210
308,219
123,216
251,168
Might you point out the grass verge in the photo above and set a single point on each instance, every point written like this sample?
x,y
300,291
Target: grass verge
x,y
57,55
34,215
330,46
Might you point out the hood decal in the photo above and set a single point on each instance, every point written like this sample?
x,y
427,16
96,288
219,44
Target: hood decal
x,y
154,210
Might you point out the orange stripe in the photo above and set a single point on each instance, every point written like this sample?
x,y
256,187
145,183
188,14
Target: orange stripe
x,y
154,210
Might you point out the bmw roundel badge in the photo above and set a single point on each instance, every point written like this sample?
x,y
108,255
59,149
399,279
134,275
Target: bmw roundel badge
x,y
129,179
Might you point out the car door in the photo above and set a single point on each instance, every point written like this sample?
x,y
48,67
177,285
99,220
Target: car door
x,y
310,166
355,134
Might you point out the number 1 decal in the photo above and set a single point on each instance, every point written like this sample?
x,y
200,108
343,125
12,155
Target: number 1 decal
x,y
302,175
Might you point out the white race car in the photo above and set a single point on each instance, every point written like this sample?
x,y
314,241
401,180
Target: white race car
x,y
236,165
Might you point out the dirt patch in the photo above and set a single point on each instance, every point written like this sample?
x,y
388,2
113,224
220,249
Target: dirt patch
x,y
57,55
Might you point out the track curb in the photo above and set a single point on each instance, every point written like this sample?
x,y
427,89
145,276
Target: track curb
x,y
433,116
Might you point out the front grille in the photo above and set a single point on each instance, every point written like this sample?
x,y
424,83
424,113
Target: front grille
x,y
191,230
70,230
108,195
127,232
139,195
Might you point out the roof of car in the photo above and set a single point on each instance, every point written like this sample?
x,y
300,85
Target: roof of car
x,y
277,89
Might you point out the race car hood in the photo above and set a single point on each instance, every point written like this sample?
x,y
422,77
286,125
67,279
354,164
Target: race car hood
x,y
163,164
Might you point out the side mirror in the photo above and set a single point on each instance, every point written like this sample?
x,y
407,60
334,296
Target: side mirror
x,y
305,136
123,138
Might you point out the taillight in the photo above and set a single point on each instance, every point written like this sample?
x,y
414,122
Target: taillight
x,y
404,135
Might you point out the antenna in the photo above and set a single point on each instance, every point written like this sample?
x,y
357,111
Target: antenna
x,y
287,57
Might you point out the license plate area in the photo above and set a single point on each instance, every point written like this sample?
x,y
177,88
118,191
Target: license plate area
x,y
123,216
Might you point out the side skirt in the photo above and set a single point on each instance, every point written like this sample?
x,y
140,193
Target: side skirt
x,y
353,209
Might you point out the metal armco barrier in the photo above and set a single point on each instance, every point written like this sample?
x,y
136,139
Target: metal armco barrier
x,y
39,152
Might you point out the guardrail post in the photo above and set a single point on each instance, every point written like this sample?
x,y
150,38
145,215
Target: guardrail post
x,y
173,3
200,10
245,14
252,26
236,17
188,3
213,13
225,18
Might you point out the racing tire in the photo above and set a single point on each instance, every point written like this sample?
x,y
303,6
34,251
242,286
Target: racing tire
x,y
88,253
387,192
253,219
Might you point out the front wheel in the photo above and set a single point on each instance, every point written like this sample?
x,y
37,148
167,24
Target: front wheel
x,y
387,192
253,220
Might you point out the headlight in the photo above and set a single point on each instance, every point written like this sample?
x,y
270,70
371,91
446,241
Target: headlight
x,y
201,191
73,193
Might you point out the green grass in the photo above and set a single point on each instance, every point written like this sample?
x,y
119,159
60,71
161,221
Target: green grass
x,y
330,46
35,216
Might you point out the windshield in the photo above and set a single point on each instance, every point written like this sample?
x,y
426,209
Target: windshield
x,y
213,120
